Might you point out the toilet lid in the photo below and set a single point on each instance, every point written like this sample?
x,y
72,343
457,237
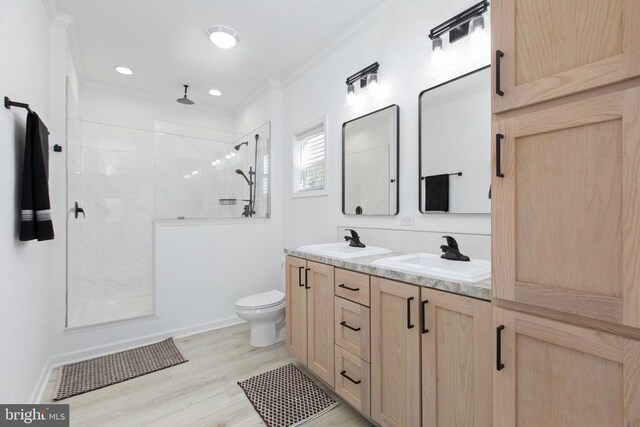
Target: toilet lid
x,y
263,300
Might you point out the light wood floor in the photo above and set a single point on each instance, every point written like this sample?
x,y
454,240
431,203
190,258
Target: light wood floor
x,y
201,392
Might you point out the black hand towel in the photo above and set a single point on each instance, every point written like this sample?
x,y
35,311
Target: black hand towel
x,y
36,210
437,193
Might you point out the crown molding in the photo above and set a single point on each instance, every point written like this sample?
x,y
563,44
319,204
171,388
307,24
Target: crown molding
x,y
267,85
338,41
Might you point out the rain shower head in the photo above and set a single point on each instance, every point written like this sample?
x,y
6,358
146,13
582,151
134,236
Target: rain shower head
x,y
239,172
237,147
185,100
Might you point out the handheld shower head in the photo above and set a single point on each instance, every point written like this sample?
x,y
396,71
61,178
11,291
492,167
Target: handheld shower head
x,y
237,147
239,172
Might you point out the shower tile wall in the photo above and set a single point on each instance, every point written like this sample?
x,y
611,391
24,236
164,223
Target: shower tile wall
x,y
190,183
110,250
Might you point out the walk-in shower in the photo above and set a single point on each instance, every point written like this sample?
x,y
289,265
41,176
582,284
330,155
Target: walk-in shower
x,y
126,180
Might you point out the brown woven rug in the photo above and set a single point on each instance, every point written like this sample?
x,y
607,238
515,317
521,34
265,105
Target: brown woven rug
x,y
92,374
285,397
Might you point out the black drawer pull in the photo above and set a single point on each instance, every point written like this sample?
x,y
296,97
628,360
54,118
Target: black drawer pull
x,y
409,325
499,138
343,323
343,286
423,317
306,278
499,364
344,374
300,276
499,56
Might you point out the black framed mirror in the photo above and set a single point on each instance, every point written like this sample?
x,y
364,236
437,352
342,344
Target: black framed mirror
x,y
371,163
454,145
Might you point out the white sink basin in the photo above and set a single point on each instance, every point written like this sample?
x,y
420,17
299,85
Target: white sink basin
x,y
342,250
433,266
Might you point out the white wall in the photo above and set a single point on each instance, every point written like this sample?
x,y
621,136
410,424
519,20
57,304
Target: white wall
x,y
397,39
24,266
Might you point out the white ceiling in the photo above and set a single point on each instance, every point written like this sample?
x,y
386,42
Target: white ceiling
x,y
165,42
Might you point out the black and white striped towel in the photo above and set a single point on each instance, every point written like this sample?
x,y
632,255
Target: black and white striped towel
x,y
36,210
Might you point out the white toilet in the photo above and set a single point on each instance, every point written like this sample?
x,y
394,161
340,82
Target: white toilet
x,y
266,313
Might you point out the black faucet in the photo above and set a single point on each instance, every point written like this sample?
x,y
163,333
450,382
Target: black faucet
x,y
354,239
451,250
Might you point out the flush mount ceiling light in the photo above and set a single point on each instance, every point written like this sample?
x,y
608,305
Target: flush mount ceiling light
x,y
124,70
215,92
366,76
222,36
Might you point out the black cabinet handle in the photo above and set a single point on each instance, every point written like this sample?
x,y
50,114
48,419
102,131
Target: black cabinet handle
x,y
409,325
343,286
300,276
499,138
344,374
499,364
343,323
306,278
423,318
499,56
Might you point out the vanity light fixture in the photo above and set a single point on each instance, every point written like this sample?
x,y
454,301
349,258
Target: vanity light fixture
x,y
458,26
438,55
479,40
222,36
366,76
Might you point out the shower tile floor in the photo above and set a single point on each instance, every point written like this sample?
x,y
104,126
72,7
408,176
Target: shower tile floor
x,y
201,392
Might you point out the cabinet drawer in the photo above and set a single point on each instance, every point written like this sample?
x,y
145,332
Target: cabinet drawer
x,y
352,380
352,286
352,327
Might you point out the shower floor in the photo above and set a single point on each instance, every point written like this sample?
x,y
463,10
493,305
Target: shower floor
x,y
87,313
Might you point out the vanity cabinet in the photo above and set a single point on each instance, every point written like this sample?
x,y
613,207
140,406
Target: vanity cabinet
x,y
566,210
395,353
310,329
556,48
549,373
457,364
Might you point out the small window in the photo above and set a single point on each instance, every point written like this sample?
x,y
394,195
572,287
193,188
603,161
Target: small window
x,y
309,161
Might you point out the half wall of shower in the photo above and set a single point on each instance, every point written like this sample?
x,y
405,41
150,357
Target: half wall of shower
x,y
122,180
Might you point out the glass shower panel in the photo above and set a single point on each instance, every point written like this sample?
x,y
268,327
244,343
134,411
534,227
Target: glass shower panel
x,y
110,178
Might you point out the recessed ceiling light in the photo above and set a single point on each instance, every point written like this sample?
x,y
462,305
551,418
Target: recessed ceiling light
x,y
215,92
124,70
223,37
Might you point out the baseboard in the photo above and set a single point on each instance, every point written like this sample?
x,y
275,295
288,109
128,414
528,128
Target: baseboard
x,y
102,350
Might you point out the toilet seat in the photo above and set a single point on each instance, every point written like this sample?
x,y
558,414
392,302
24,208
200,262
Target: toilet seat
x,y
260,301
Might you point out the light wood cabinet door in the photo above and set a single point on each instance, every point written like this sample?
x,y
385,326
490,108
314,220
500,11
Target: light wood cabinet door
x,y
566,213
560,375
554,48
456,362
320,327
296,309
395,353
353,380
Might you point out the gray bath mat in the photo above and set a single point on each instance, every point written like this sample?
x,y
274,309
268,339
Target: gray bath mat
x,y
285,397
92,374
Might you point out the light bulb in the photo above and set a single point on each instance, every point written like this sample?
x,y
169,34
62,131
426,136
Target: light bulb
x,y
478,37
372,84
351,96
439,60
228,156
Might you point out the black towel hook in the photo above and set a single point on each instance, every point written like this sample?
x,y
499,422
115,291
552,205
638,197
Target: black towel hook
x,y
450,174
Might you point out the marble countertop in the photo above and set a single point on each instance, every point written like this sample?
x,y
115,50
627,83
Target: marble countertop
x,y
480,290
